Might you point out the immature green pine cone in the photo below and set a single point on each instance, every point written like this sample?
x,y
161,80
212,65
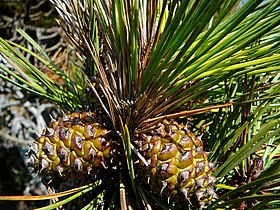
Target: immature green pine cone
x,y
176,164
74,143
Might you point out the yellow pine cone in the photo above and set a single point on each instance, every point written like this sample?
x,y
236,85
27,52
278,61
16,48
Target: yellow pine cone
x,y
176,164
74,143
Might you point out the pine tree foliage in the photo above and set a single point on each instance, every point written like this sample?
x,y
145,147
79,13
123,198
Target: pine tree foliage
x,y
160,72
